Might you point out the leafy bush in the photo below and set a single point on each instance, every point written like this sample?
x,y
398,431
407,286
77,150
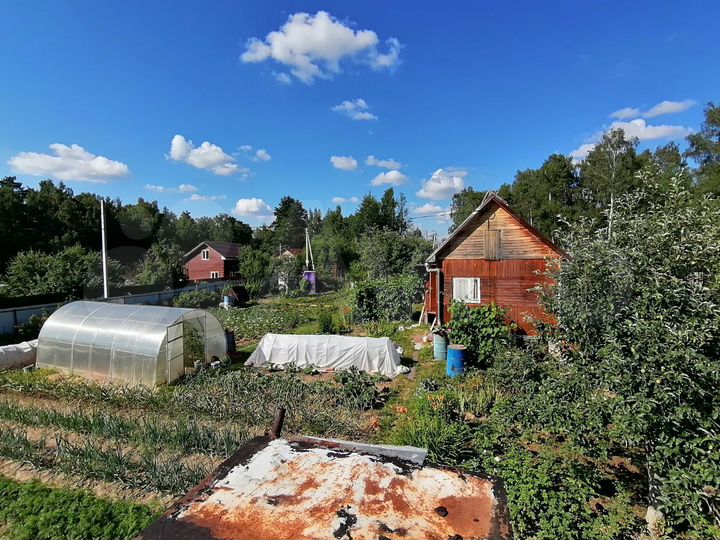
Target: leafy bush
x,y
386,300
31,510
325,323
358,388
31,328
196,299
481,329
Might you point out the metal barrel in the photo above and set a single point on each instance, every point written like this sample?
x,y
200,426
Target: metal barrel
x,y
455,360
440,347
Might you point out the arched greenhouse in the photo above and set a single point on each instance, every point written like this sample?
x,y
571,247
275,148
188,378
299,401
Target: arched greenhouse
x,y
127,343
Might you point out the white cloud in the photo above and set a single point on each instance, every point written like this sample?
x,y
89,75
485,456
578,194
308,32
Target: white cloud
x,y
669,107
207,156
282,77
246,148
262,155
637,128
315,45
341,200
389,60
443,184
395,178
195,197
182,188
664,107
627,112
357,109
384,163
428,209
68,163
253,208
345,163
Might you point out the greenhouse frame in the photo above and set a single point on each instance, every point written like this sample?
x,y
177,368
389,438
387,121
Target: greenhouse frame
x,y
127,343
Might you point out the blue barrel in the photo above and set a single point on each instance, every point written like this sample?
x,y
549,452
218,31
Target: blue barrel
x,y
455,360
228,300
440,347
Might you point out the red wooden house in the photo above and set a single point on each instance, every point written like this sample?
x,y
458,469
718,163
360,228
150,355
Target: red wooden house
x,y
212,260
492,256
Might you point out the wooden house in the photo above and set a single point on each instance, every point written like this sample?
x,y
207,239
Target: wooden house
x,y
212,260
492,256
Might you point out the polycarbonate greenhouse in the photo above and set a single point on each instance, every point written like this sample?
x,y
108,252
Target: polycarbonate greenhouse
x,y
127,343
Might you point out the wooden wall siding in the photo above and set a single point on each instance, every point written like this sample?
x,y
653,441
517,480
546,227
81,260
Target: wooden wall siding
x,y
504,282
199,270
431,293
516,242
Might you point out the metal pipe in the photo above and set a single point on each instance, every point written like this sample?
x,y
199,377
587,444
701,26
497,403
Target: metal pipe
x,y
104,249
278,423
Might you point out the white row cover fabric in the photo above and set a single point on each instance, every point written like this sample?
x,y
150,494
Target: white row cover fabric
x,y
19,355
328,353
130,343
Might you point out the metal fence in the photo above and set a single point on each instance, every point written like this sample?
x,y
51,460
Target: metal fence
x,y
11,317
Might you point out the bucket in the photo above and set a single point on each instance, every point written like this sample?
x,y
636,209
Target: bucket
x,y
228,300
455,360
440,347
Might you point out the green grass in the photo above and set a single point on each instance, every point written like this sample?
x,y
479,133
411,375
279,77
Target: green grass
x,y
31,510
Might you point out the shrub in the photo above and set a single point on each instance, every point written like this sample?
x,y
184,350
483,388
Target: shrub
x,y
31,329
386,300
481,329
196,299
325,322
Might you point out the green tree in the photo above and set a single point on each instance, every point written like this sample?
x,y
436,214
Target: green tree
x,y
463,204
162,264
639,308
257,268
291,218
704,149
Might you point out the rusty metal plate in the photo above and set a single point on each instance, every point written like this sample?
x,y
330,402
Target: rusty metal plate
x,y
307,489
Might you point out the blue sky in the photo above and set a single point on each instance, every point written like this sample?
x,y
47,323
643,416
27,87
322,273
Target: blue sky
x,y
457,94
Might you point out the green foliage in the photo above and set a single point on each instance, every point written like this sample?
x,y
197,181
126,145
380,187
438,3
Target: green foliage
x,y
358,388
30,329
256,321
198,299
386,300
70,271
31,510
481,329
325,323
704,149
640,307
385,252
463,204
162,264
256,268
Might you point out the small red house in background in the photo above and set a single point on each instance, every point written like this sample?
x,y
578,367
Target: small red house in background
x,y
492,256
212,260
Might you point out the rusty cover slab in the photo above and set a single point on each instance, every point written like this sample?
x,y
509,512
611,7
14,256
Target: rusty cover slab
x,y
313,489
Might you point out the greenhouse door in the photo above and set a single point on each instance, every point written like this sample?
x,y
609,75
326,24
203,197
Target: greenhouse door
x,y
175,352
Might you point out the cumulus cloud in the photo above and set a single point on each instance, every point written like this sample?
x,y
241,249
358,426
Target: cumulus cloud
x,y
246,148
207,156
383,163
345,163
356,109
638,129
428,209
443,184
68,163
253,208
262,155
182,188
342,200
395,178
195,197
669,107
315,45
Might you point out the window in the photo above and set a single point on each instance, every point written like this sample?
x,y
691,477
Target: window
x,y
214,275
205,254
466,290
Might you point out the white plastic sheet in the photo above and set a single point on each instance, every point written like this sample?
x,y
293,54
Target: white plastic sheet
x,y
19,355
328,353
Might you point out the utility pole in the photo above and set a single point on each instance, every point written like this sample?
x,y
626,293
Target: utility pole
x,y
104,248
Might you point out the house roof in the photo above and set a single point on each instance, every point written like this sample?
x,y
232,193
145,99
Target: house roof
x,y
293,251
227,250
493,198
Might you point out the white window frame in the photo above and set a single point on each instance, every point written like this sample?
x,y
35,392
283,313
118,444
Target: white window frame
x,y
214,274
205,254
472,284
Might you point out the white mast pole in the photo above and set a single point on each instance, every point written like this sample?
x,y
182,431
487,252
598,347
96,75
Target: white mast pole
x,y
104,249
307,244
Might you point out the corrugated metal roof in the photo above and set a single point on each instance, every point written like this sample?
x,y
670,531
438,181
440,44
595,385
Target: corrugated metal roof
x,y
312,488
